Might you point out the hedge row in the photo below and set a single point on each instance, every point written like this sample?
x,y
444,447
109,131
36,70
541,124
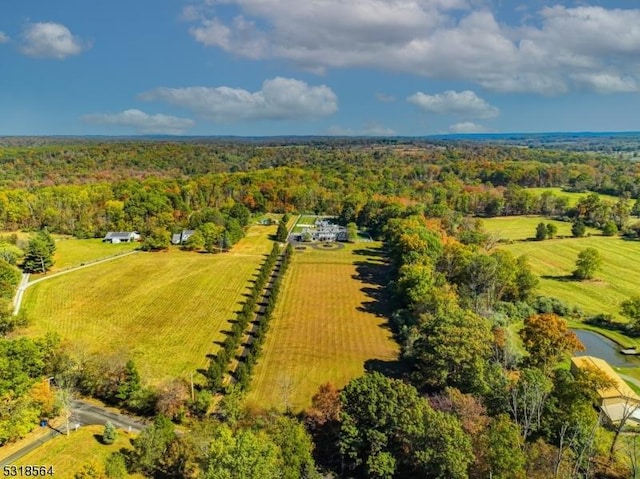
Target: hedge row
x,y
245,368
219,364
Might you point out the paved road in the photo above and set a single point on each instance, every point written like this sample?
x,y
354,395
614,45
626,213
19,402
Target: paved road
x,y
82,414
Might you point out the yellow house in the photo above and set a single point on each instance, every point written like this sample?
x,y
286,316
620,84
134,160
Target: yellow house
x,y
618,402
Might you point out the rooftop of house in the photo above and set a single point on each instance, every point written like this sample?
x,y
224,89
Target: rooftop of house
x,y
119,234
619,389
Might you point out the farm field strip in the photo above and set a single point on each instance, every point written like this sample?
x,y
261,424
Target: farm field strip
x,y
163,309
321,330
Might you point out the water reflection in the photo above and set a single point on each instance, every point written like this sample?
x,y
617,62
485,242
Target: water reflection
x,y
601,347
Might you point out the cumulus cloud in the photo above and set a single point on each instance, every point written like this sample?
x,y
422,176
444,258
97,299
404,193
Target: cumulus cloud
x,y
142,122
467,127
279,99
50,40
4,38
550,51
465,104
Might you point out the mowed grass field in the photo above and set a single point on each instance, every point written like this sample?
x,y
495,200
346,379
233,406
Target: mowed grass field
x,y
72,252
68,455
572,197
554,261
164,310
327,324
518,228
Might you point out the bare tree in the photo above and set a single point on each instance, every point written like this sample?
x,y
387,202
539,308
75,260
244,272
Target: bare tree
x,y
629,408
527,399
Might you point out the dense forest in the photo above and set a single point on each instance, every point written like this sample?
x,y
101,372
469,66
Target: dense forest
x,y
463,400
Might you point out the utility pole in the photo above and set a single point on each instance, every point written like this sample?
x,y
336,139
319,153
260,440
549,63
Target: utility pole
x,y
193,398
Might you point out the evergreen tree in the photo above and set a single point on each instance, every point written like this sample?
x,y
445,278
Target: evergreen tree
x,y
283,232
130,383
109,434
39,257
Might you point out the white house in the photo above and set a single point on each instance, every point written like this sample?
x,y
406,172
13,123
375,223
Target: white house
x,y
121,237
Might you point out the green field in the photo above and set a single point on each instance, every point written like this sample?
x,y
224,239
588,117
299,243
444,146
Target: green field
x,y
518,228
74,252
303,220
554,261
326,326
69,454
573,197
163,309
307,219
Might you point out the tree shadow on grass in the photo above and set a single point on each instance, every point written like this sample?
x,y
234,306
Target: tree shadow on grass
x,y
370,252
395,369
375,277
565,278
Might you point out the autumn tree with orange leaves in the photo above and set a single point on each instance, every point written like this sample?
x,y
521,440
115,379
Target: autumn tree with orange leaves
x,y
547,338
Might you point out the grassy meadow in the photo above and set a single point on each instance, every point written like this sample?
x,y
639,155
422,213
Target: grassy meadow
x,y
164,310
68,455
520,228
327,324
571,196
554,261
72,252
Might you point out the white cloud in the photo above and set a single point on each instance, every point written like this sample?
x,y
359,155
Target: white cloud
x,y
465,104
550,52
142,122
279,99
467,127
4,38
607,82
51,40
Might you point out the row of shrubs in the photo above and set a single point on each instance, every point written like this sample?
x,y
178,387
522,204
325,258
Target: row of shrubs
x,y
219,364
245,367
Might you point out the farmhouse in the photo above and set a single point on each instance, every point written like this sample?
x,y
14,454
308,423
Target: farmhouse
x,y
115,237
618,401
180,238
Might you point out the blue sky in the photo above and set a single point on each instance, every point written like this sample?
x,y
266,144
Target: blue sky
x,y
316,67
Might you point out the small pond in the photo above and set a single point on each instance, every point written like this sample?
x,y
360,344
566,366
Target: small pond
x,y
601,347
